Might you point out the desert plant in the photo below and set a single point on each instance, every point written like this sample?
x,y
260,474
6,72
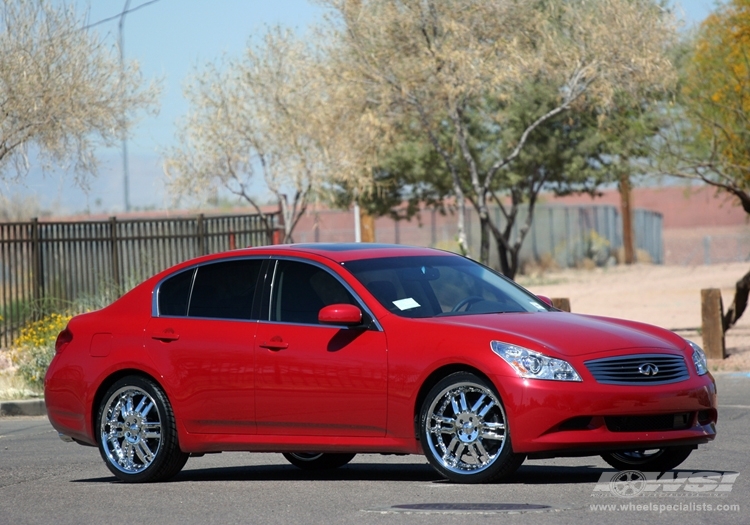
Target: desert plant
x,y
35,346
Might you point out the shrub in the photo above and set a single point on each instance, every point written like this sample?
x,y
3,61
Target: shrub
x,y
35,346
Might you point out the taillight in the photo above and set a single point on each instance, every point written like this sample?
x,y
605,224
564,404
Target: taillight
x,y
63,338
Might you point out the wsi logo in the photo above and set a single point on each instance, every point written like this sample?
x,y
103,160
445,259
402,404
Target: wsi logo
x,y
632,483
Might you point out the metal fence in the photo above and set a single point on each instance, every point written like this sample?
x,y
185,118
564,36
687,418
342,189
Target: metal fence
x,y
46,266
570,234
565,234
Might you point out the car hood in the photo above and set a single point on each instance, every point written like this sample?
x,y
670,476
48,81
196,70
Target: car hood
x,y
569,334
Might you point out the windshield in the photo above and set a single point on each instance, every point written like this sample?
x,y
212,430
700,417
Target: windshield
x,y
430,286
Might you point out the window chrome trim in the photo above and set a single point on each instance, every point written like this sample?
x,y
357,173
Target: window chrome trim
x,y
362,304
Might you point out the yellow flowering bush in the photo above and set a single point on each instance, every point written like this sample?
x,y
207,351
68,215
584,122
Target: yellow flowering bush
x,y
35,346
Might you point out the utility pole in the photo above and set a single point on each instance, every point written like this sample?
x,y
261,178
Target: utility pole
x,y
125,171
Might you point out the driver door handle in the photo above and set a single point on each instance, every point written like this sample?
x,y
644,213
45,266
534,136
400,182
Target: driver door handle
x,y
165,336
274,345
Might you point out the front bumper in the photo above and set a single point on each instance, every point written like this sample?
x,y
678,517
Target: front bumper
x,y
580,417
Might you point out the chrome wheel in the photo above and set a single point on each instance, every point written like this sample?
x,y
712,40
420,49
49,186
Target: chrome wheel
x,y
650,460
306,457
131,430
137,432
317,460
638,457
464,431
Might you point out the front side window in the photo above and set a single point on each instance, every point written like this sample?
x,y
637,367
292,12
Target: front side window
x,y
225,290
300,290
429,286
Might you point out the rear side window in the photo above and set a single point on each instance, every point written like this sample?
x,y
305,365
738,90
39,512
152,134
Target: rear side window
x,y
174,294
225,290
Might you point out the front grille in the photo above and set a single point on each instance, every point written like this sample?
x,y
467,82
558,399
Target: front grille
x,y
642,369
679,421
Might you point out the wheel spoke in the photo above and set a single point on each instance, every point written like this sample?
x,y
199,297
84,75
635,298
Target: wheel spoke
x,y
140,405
443,425
493,431
151,430
144,453
478,404
454,404
454,452
144,412
486,408
479,452
128,408
464,404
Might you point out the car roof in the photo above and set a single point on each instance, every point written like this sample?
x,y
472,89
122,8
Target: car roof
x,y
346,251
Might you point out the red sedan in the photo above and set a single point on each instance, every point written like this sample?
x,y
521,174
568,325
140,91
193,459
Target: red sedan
x,y
323,351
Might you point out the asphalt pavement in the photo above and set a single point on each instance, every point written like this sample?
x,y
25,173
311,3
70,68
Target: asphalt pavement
x,y
44,480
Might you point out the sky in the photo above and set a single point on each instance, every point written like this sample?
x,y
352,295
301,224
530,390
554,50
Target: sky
x,y
170,39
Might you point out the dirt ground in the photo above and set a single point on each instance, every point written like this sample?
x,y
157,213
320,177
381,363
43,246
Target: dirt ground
x,y
666,296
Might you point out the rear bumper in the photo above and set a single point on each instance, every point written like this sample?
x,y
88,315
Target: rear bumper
x,y
574,418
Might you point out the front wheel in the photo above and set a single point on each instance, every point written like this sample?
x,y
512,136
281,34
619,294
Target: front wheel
x,y
652,460
137,433
464,431
317,461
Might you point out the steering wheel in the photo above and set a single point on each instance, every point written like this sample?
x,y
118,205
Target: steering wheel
x,y
468,301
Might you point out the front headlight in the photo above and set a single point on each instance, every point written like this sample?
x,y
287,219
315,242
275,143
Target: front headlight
x,y
533,365
699,358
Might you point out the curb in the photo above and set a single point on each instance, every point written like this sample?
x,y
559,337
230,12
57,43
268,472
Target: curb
x,y
26,407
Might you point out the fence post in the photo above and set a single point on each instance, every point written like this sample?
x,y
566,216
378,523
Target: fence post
x,y
201,235
37,262
561,303
114,252
712,312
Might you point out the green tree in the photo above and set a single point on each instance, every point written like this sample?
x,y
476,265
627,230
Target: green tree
x,y
448,69
708,139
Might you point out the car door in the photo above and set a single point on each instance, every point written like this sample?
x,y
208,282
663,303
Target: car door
x,y
315,379
203,334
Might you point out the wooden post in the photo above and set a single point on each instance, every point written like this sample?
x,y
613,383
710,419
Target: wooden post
x,y
114,253
712,311
627,218
561,303
367,225
37,262
200,234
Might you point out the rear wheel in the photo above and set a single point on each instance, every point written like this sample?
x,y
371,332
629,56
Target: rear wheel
x,y
317,461
650,460
464,431
137,433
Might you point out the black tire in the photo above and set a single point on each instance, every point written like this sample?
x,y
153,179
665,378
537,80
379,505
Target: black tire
x,y
136,432
464,431
649,460
317,461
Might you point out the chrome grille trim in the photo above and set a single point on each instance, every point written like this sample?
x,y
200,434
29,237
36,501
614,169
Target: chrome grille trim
x,y
624,370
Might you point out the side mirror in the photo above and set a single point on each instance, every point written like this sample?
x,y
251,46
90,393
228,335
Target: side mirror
x,y
545,300
346,314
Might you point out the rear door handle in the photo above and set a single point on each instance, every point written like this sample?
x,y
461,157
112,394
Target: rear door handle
x,y
274,345
165,336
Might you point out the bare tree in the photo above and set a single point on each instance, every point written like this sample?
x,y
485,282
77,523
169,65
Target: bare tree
x,y
276,113
438,62
62,89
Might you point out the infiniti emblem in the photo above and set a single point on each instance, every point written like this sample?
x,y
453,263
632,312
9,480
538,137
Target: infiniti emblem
x,y
648,369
